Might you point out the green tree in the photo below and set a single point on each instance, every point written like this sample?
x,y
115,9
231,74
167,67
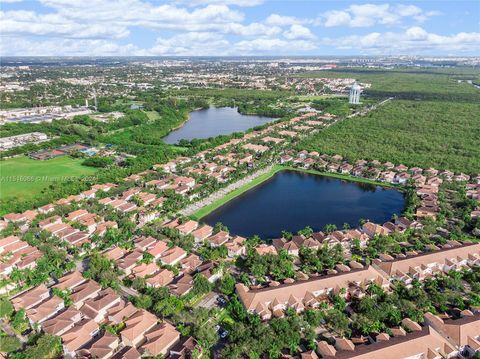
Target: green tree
x,y
201,285
19,321
143,301
227,284
47,346
6,308
103,271
9,344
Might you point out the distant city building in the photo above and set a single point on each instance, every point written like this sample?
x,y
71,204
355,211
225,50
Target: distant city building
x,y
42,114
354,97
19,140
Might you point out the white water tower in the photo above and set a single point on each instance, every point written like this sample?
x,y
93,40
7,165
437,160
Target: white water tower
x,y
354,96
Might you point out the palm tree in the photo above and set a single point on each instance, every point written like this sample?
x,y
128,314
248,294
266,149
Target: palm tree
x,y
329,228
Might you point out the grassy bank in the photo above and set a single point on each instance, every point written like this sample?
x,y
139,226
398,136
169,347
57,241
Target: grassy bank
x,y
24,178
344,177
235,193
275,169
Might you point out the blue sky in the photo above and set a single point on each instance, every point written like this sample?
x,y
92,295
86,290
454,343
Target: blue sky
x,y
238,27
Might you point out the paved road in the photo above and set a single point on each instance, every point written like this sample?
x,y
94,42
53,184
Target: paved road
x,y
209,301
371,108
194,207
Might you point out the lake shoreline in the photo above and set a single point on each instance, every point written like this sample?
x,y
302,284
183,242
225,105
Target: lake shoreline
x,y
214,201
203,123
300,199
237,191
184,121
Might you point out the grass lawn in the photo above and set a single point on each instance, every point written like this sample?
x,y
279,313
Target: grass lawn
x,y
178,149
152,115
128,102
275,169
36,175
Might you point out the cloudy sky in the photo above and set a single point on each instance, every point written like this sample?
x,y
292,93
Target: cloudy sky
x,y
238,27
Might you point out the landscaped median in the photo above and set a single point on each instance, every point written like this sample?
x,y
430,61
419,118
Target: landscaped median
x,y
202,212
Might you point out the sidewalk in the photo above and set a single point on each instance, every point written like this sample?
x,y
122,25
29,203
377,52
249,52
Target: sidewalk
x,y
194,207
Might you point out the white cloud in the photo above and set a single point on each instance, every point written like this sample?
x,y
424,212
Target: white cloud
x,y
337,18
252,29
213,27
408,10
28,22
103,19
133,11
424,16
198,43
367,15
297,32
278,46
205,44
413,40
281,20
140,13
68,47
224,2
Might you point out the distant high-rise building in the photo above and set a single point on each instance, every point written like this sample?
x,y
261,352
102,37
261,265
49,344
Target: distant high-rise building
x,y
354,96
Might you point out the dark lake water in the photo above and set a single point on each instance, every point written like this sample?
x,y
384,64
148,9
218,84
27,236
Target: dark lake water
x,y
213,122
292,200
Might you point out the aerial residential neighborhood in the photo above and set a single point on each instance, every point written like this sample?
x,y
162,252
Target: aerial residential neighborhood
x,y
239,179
78,304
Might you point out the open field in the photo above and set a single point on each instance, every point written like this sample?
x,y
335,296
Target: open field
x,y
440,134
275,169
25,178
152,115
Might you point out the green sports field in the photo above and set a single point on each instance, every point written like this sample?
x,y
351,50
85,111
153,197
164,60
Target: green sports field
x,y
24,178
